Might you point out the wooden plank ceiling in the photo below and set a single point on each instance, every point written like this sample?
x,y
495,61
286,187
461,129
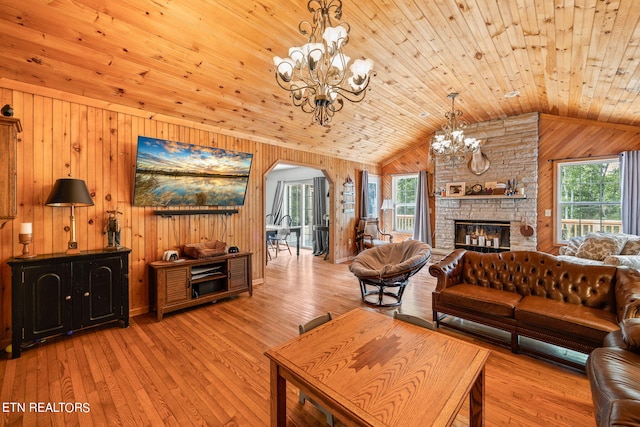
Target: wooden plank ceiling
x,y
210,62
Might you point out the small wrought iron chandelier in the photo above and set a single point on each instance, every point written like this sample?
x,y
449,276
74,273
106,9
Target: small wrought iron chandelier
x,y
451,142
316,73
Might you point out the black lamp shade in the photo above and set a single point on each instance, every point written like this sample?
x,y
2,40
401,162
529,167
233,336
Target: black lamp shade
x,y
69,192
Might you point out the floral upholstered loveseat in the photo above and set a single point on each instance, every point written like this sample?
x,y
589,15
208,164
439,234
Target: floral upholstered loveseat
x,y
603,248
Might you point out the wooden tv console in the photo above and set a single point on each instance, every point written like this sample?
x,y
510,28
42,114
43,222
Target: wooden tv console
x,y
175,285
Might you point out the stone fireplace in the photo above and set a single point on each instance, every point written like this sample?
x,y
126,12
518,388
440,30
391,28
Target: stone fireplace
x,y
511,146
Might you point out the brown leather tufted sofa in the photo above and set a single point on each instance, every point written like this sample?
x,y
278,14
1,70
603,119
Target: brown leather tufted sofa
x,y
536,295
614,376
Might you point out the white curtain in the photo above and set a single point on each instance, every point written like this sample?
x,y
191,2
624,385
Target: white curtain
x,y
422,220
630,191
364,195
276,208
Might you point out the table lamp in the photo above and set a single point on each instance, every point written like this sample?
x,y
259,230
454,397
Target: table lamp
x,y
70,192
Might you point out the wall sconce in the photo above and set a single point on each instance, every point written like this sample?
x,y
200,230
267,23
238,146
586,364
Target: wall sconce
x,y
70,192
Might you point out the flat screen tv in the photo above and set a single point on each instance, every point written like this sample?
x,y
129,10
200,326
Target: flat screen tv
x,y
170,173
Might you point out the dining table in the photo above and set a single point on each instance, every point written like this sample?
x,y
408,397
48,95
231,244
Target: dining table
x,y
370,369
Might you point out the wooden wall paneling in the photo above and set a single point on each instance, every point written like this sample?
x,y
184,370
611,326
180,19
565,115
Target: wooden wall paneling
x,y
125,177
138,292
104,197
44,119
58,170
564,138
7,243
85,228
94,185
23,107
138,295
97,144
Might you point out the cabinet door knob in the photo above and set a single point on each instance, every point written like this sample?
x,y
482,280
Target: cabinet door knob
x,y
68,297
86,294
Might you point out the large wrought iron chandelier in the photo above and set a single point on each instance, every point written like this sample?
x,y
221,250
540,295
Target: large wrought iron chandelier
x,y
316,73
451,143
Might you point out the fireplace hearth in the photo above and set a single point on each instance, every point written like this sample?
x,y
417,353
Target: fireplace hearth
x,y
482,236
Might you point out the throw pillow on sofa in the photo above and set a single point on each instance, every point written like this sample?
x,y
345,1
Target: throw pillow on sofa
x,y
632,247
598,247
572,246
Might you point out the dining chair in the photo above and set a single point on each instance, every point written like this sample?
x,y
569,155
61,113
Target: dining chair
x,y
268,219
281,241
416,320
306,327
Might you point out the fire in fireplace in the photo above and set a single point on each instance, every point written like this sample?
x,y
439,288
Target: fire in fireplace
x,y
482,236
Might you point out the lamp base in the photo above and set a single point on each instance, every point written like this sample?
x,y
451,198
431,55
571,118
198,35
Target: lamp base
x,y
72,248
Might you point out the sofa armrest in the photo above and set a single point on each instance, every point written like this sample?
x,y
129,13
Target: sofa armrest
x,y
627,293
631,334
448,270
631,261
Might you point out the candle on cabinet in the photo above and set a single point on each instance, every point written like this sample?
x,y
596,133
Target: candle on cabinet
x,y
26,228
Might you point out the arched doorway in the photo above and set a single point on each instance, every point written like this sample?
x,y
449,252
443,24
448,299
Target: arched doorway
x,y
297,186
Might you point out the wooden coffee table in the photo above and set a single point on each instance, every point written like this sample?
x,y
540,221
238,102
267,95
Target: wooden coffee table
x,y
370,369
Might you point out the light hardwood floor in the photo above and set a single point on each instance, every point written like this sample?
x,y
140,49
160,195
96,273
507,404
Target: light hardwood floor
x,y
205,366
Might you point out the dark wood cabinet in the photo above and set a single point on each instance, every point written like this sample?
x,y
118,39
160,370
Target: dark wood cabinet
x,y
45,292
59,293
186,283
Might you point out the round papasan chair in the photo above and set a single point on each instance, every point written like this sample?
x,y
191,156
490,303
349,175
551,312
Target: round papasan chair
x,y
389,266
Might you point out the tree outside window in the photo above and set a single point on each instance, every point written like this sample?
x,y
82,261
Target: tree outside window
x,y
405,190
588,198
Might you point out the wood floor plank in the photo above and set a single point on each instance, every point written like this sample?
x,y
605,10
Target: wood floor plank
x,y
206,365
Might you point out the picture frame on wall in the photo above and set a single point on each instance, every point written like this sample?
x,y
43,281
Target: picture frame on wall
x,y
455,189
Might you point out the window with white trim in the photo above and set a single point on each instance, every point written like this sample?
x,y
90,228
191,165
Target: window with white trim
x,y
587,196
405,191
373,199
